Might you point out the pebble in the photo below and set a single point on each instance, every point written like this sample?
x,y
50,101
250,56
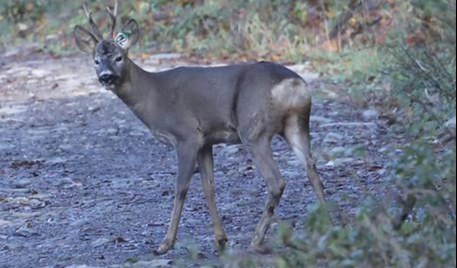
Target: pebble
x,y
22,183
137,133
370,115
231,149
25,231
82,266
112,131
451,123
321,119
333,138
338,151
101,241
160,263
295,163
4,223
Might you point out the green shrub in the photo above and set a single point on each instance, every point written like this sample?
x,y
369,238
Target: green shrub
x,y
280,30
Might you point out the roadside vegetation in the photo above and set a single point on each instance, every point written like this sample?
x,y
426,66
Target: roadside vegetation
x,y
396,56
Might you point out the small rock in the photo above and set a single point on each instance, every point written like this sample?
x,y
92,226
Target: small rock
x,y
4,223
66,147
119,240
51,38
343,161
40,73
321,119
333,138
80,222
331,94
370,115
231,149
292,174
340,162
22,27
15,191
37,204
102,241
25,231
94,109
295,163
66,181
451,123
56,160
156,224
82,266
112,131
137,134
384,149
22,183
148,264
337,151
6,146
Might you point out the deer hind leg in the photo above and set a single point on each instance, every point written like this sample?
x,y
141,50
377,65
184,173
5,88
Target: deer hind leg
x,y
296,132
205,162
263,158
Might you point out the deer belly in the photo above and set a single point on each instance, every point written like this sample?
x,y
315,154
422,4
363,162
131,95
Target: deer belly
x,y
164,137
227,136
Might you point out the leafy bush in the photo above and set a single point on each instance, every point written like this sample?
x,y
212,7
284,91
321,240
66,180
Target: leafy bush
x,y
422,69
240,29
380,236
22,14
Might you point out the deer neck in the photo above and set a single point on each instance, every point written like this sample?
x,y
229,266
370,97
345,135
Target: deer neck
x,y
137,90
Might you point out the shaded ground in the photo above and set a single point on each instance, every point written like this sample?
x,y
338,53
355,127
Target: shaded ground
x,y
83,182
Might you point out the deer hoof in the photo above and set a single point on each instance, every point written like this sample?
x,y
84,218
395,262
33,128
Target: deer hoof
x,y
163,249
220,244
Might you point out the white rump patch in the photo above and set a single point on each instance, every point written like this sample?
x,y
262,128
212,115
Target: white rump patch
x,y
291,94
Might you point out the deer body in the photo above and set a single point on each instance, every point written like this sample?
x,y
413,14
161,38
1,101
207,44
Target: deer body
x,y
208,103
193,108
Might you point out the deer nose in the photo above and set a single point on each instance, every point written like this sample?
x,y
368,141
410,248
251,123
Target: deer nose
x,y
107,78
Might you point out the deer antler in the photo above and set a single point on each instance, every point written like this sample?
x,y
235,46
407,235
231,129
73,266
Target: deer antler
x,y
93,25
113,15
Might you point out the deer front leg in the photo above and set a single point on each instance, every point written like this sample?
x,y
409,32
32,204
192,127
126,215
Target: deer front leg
x,y
205,162
187,154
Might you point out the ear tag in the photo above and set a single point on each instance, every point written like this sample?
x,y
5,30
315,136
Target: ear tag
x,y
122,39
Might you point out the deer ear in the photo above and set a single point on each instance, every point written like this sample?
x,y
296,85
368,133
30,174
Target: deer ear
x,y
84,39
129,34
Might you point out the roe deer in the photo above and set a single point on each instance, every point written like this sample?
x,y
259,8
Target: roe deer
x,y
193,108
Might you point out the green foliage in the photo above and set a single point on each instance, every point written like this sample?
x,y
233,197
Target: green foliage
x,y
20,14
372,241
17,11
424,85
426,238
240,29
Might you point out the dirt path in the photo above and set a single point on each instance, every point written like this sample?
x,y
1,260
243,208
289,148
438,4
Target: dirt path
x,y
83,183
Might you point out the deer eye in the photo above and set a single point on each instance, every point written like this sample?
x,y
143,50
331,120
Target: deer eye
x,y
97,62
118,59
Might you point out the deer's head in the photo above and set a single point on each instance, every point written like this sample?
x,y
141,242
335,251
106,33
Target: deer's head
x,y
110,55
